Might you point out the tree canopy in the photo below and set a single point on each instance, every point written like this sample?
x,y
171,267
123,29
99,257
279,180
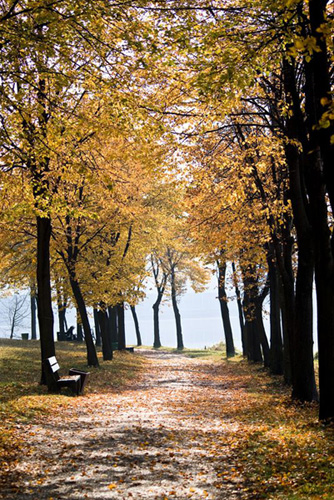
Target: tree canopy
x,y
185,131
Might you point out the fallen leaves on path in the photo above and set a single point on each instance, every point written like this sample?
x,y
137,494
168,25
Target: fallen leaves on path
x,y
190,428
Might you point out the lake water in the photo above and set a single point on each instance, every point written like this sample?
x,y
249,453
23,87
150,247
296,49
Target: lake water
x,y
200,316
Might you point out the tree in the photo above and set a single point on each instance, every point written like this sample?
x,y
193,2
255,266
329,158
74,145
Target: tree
x,y
48,78
183,266
221,264
33,306
17,310
160,276
136,323
257,40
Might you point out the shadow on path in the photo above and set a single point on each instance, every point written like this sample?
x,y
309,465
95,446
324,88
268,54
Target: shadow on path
x,y
165,437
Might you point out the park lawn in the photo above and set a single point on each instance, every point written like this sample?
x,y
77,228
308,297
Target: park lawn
x,y
22,397
281,449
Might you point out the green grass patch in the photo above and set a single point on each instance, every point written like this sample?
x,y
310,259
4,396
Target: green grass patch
x,y
22,398
281,448
215,352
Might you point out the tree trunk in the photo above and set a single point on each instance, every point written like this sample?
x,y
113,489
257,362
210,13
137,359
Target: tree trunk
x,y
61,307
80,333
319,100
262,332
156,305
91,351
62,322
240,313
319,94
283,253
136,322
230,351
276,345
113,324
179,336
121,327
98,342
325,303
253,345
33,314
106,341
287,373
324,273
12,326
45,314
303,380
254,353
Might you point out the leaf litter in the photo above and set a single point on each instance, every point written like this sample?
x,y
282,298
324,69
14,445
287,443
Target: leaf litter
x,y
185,429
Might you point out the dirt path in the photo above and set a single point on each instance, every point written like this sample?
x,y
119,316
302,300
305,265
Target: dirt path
x,y
162,438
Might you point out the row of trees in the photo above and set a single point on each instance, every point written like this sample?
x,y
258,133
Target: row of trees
x,y
82,168
106,108
258,112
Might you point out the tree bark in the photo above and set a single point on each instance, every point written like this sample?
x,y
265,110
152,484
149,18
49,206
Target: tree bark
x,y
230,351
303,379
240,313
98,342
62,319
91,351
136,323
107,351
261,331
80,333
121,326
276,345
156,327
319,99
45,313
33,314
12,326
61,306
283,255
325,304
112,314
179,336
253,345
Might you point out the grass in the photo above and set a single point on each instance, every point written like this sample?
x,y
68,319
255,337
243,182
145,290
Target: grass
x,y
283,451
215,352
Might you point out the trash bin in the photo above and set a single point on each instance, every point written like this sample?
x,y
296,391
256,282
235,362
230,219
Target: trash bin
x,y
25,336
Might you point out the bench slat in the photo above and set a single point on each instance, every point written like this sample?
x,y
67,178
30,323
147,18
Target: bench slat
x,y
55,367
69,378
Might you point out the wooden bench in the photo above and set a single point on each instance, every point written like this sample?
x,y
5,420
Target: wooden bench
x,y
75,380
